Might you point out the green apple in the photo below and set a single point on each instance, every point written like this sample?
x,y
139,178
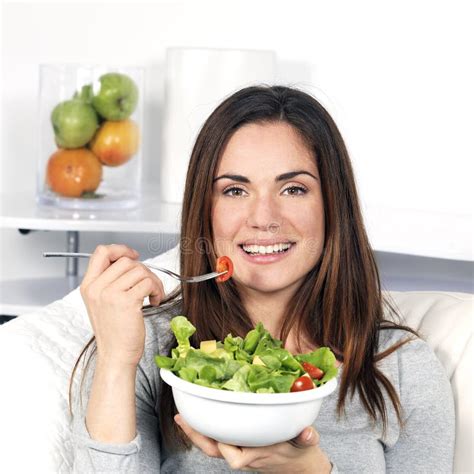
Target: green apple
x,y
117,97
74,122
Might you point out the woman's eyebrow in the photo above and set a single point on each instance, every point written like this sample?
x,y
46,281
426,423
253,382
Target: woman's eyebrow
x,y
233,177
292,174
281,177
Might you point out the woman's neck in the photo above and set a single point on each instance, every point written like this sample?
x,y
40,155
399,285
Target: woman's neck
x,y
267,308
270,310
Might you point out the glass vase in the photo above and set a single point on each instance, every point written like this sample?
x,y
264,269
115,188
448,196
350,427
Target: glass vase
x,y
91,140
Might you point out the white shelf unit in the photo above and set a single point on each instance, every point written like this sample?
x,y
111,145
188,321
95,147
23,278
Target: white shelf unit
x,y
20,211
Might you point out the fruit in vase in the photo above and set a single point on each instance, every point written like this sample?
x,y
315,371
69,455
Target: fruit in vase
x,y
71,173
74,121
117,97
116,142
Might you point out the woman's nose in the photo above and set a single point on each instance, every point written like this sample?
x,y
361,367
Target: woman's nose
x,y
263,214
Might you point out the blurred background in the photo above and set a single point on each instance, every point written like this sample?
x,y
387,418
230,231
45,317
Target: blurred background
x,y
396,76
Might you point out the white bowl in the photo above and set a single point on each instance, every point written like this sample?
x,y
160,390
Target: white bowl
x,y
246,419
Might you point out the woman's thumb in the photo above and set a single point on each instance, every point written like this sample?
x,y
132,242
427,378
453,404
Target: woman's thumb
x,y
308,437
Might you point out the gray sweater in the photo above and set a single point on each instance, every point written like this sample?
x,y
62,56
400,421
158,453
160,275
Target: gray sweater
x,y
352,443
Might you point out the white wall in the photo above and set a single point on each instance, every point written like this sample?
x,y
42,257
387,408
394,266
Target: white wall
x,y
396,76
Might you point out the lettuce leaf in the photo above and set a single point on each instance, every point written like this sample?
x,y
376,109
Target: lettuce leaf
x,y
182,330
238,382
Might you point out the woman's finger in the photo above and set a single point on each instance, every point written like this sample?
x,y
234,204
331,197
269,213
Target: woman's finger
x,y
103,257
115,271
146,287
205,444
308,437
127,277
239,458
156,298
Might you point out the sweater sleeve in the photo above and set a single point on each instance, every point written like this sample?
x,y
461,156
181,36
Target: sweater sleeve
x,y
426,442
142,454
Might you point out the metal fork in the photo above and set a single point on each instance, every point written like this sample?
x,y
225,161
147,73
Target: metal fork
x,y
191,279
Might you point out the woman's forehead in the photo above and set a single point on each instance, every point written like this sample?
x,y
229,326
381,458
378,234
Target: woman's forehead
x,y
266,147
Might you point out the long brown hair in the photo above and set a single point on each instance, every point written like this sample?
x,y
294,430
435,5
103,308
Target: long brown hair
x,y
340,303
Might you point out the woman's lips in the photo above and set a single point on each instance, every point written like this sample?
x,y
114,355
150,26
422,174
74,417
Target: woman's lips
x,y
266,258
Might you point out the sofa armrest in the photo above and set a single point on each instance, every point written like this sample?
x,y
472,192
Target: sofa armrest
x,y
445,321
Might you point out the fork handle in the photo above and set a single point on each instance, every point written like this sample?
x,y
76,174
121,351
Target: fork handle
x,y
174,275
87,255
67,254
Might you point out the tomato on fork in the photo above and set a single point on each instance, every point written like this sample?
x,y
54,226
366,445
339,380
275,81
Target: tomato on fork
x,y
224,264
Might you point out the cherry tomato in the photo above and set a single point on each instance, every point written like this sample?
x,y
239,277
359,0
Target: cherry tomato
x,y
313,371
302,383
223,264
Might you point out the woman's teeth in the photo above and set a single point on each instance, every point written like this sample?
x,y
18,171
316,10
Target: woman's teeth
x,y
265,249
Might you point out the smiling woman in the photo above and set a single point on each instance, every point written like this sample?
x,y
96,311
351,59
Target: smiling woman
x,y
270,185
268,212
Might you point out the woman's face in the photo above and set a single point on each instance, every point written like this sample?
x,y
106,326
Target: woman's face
x,y
268,213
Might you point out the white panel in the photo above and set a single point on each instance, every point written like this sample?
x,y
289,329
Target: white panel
x,y
197,80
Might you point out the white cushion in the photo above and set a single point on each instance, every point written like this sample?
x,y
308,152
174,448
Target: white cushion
x,y
445,322
38,351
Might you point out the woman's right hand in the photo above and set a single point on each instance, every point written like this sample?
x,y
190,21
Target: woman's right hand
x,y
113,290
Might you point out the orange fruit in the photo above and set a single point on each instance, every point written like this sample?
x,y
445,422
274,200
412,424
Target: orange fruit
x,y
73,172
116,142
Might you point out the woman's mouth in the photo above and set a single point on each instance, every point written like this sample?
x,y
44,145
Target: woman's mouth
x,y
266,253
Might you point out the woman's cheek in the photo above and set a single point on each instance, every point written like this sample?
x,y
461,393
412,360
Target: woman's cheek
x,y
227,222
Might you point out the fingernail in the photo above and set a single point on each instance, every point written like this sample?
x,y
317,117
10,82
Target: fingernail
x,y
309,435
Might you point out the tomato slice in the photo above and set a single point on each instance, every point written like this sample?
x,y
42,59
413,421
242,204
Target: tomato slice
x,y
223,264
302,383
313,371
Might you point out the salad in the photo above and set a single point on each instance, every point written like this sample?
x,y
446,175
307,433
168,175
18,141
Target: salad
x,y
256,363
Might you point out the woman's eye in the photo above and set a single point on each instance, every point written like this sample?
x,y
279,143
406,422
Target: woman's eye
x,y
233,191
295,191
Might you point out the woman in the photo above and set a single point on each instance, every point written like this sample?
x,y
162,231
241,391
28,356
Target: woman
x,y
271,186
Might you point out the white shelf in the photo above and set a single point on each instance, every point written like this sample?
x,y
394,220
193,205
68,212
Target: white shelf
x,y
20,211
420,232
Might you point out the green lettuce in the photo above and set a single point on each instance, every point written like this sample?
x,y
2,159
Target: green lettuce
x,y
182,330
256,363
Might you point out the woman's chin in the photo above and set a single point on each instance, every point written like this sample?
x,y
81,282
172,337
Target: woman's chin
x,y
268,285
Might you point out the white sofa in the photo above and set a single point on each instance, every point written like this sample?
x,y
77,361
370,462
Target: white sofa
x,y
38,351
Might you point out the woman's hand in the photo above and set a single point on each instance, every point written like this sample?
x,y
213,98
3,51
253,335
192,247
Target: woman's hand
x,y
113,290
301,455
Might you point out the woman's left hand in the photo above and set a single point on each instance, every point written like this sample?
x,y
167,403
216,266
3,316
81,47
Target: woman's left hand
x,y
301,455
